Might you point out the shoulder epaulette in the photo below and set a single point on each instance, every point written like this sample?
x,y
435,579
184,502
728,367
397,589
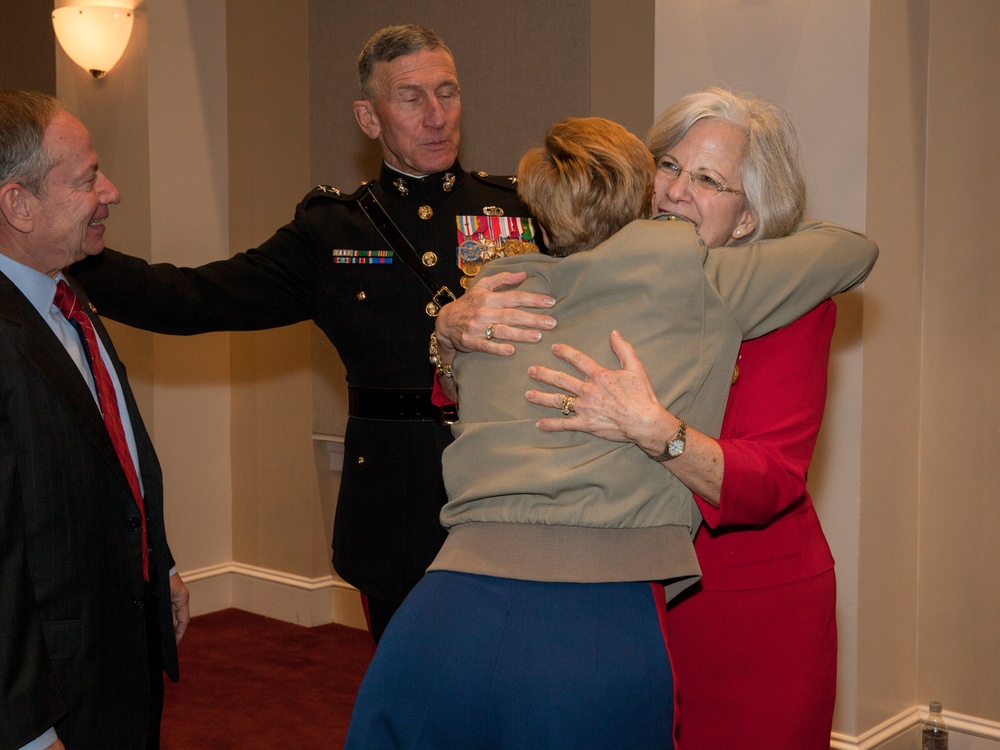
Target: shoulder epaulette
x,y
497,180
331,193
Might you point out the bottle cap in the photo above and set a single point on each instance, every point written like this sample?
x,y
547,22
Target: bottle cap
x,y
936,707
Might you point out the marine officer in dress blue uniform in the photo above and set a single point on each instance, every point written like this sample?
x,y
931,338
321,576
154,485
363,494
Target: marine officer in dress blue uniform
x,y
333,266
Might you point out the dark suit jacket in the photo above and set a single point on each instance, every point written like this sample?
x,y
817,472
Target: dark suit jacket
x,y
72,620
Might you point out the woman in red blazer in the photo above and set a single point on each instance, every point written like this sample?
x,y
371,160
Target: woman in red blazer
x,y
754,646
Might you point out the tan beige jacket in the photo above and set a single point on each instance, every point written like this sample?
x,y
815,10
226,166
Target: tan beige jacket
x,y
572,507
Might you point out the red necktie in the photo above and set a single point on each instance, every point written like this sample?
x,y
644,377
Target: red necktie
x,y
69,305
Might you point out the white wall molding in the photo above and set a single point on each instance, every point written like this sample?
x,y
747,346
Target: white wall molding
x,y
282,596
877,736
971,725
967,732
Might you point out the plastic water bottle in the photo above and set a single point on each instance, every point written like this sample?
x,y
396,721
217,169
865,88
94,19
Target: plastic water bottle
x,y
935,730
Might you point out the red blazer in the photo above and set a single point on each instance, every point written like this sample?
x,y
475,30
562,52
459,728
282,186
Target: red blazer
x,y
765,531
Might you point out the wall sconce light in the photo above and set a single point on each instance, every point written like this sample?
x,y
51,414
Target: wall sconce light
x,y
94,36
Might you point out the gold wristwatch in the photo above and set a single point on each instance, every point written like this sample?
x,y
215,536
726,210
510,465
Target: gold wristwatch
x,y
675,446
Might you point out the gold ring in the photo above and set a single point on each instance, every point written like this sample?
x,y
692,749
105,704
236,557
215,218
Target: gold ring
x,y
567,406
489,331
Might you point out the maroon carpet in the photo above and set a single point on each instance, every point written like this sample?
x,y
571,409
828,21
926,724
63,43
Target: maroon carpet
x,y
252,682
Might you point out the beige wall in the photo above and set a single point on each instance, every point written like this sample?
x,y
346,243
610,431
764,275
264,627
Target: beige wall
x,y
887,599
622,41
959,557
930,594
279,521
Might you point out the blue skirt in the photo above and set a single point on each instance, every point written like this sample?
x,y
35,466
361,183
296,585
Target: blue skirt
x,y
471,661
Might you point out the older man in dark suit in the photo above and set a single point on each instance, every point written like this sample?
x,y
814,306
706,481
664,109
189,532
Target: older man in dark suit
x,y
86,623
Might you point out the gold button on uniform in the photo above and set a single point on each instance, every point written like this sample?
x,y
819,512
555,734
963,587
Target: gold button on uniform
x,y
362,296
425,212
429,259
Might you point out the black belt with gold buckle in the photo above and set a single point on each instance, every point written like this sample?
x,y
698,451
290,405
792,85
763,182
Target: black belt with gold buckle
x,y
403,404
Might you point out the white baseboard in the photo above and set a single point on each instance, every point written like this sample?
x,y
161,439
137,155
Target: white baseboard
x,y
282,596
971,732
901,732
880,736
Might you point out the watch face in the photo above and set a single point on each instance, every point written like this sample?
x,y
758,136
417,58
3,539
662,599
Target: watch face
x,y
675,448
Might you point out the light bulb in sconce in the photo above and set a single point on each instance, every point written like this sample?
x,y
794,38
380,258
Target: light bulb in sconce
x,y
94,36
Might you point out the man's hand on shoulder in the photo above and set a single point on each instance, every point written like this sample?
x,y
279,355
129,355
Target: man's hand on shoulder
x,y
485,319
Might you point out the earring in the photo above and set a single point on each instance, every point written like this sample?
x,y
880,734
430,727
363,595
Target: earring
x,y
737,233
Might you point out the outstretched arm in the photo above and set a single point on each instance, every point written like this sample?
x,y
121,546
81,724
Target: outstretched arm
x,y
266,287
770,283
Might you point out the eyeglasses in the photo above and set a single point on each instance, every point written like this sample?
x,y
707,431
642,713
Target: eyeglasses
x,y
700,181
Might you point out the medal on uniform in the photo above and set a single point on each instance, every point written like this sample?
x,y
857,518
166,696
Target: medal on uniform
x,y
489,236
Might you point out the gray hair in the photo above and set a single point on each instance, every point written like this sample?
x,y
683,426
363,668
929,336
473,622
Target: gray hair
x,y
391,42
24,116
771,170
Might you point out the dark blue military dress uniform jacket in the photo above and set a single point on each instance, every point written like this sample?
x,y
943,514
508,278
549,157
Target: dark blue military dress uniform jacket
x,y
331,265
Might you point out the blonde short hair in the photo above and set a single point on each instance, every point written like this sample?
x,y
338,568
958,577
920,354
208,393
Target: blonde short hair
x,y
771,171
589,179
